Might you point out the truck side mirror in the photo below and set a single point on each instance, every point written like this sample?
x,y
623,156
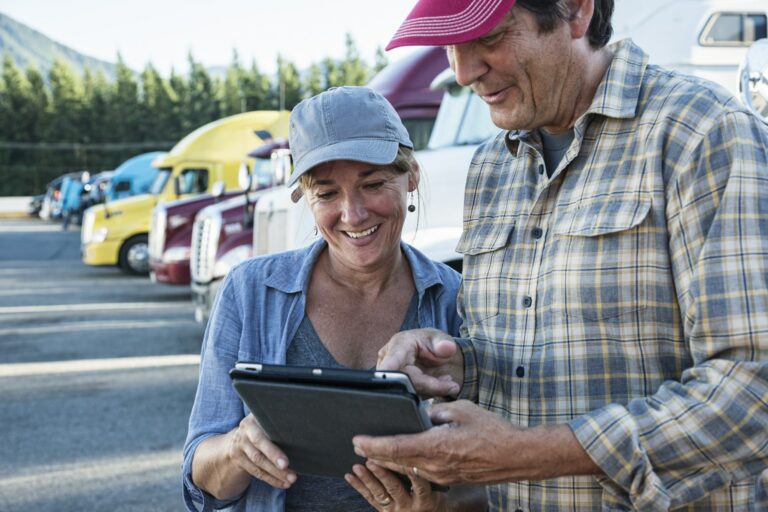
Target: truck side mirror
x,y
218,188
281,166
244,178
753,79
177,186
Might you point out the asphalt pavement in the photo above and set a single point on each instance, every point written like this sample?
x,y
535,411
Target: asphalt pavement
x,y
97,377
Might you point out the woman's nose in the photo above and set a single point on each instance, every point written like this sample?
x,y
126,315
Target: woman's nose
x,y
354,210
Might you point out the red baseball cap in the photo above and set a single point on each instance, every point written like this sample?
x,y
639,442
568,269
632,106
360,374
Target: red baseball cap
x,y
441,22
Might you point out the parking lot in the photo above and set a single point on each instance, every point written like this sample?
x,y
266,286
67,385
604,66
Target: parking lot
x,y
97,376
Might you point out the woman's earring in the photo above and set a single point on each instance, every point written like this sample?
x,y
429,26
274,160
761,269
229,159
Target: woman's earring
x,y
315,229
411,206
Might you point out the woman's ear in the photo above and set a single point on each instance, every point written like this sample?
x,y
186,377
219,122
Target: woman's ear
x,y
414,176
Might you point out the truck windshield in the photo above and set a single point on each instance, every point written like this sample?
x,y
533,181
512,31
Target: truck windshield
x,y
161,178
262,172
463,119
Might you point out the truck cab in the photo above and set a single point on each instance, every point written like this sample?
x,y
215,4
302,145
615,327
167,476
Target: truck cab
x,y
170,233
133,177
116,233
223,233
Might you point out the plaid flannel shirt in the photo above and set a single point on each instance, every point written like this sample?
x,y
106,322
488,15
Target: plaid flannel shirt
x,y
627,295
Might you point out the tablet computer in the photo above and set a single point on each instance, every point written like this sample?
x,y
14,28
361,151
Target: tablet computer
x,y
312,414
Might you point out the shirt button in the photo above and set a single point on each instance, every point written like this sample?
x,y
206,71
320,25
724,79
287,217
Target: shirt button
x,y
537,232
520,372
541,168
527,301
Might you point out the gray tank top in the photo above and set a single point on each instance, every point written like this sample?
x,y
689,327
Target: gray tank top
x,y
315,493
555,147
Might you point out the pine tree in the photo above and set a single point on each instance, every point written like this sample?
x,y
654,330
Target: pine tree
x,y
257,89
380,61
313,81
233,94
66,104
39,104
200,104
159,108
124,109
97,123
13,103
353,70
288,85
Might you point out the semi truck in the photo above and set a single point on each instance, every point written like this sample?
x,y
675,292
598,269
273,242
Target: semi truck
x,y
170,233
117,233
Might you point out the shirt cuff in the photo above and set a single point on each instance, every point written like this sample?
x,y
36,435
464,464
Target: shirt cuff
x,y
610,437
192,493
469,389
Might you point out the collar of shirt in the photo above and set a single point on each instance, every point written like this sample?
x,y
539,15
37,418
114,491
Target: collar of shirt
x,y
616,96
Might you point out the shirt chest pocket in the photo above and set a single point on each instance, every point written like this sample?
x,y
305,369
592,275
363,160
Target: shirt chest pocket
x,y
602,256
484,245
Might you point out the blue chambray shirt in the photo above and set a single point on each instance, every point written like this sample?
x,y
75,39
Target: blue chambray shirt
x,y
257,312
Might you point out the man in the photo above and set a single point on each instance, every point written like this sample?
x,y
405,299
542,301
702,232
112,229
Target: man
x,y
615,296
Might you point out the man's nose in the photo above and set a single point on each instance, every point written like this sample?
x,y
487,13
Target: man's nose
x,y
466,63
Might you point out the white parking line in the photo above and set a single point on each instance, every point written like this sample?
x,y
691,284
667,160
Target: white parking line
x,y
113,306
99,325
139,468
97,365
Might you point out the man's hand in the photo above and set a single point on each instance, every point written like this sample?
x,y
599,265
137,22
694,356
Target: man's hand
x,y
472,445
430,357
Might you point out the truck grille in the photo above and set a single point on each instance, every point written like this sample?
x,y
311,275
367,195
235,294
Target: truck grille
x,y
157,233
205,242
269,233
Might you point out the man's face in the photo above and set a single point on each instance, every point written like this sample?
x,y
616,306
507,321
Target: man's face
x,y
519,72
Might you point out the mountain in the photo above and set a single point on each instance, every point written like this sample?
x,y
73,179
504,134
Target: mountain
x,y
27,46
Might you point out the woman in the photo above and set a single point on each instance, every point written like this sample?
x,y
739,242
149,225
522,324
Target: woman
x,y
334,303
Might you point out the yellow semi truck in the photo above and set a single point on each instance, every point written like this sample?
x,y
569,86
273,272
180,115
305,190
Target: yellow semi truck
x,y
116,233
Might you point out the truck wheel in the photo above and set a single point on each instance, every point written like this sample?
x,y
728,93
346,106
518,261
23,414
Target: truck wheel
x,y
134,256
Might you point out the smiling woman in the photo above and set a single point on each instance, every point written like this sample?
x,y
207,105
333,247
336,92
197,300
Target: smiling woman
x,y
332,304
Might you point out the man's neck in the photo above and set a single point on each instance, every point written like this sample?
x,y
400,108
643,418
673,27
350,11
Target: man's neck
x,y
587,77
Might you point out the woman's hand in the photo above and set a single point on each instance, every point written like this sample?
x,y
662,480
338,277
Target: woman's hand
x,y
251,449
386,493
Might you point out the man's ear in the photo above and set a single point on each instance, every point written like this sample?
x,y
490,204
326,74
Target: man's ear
x,y
580,17
414,176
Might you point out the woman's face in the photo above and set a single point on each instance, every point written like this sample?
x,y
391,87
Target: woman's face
x,y
359,209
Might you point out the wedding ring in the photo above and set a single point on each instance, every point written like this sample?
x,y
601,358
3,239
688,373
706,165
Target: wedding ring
x,y
386,501
415,471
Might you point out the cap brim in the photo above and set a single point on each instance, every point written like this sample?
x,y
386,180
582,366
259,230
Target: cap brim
x,y
372,151
446,22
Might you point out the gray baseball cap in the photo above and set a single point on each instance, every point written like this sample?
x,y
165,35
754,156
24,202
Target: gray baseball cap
x,y
344,123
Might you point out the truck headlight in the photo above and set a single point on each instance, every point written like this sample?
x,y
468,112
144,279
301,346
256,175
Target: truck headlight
x,y
230,259
99,235
175,254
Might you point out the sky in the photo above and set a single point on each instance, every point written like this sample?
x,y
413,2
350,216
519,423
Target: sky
x,y
163,32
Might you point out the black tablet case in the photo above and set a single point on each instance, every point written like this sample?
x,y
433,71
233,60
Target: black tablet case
x,y
314,423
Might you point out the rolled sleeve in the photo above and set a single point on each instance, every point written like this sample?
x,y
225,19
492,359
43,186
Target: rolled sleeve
x,y
470,389
217,408
706,430
686,440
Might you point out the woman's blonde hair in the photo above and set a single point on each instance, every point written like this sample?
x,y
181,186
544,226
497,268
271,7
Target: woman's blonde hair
x,y
404,163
